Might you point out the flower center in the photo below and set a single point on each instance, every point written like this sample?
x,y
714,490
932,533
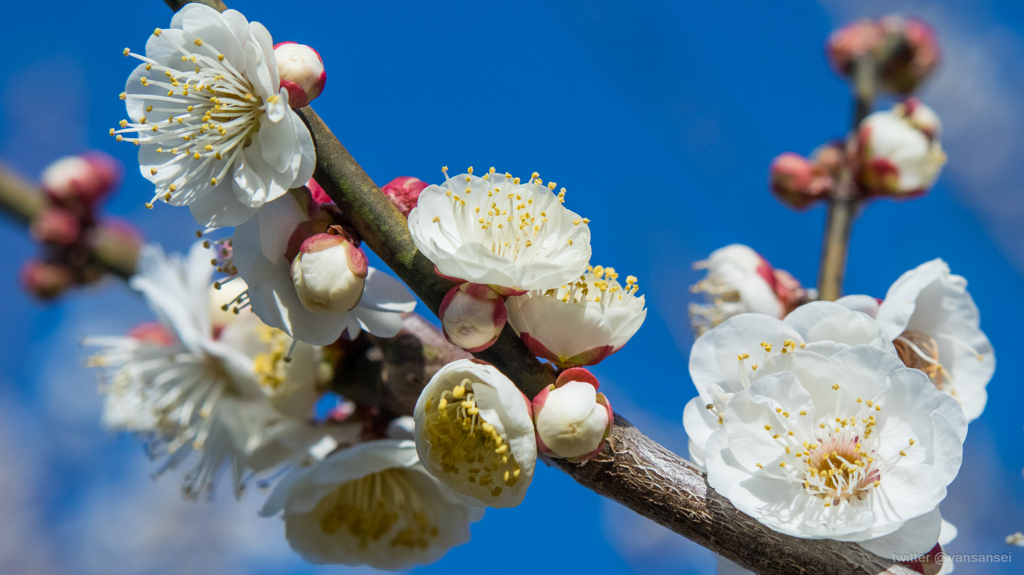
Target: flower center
x,y
463,442
835,458
270,365
208,115
384,505
504,216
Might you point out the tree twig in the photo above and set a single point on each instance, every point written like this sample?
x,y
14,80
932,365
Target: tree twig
x,y
23,201
843,204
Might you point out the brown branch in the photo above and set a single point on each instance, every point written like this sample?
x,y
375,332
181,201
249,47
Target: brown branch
x,y
633,470
23,201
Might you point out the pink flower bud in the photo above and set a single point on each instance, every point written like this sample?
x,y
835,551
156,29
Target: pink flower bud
x,y
404,191
791,179
852,41
86,178
45,280
472,316
302,72
915,61
329,273
571,419
56,226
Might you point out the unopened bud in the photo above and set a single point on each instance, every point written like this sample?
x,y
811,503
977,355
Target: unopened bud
x,y
56,226
302,72
571,418
404,192
472,316
45,280
899,153
86,178
847,44
792,177
329,273
917,57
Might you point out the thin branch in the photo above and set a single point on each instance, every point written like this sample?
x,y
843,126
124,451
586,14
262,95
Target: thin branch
x,y
23,201
842,205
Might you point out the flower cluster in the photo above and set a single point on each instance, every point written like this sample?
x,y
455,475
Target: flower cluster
x,y
68,225
518,255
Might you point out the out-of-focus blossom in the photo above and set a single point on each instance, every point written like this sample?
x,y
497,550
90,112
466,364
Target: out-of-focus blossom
x,y
46,280
572,419
739,281
475,434
197,384
302,72
935,326
472,316
83,179
262,251
404,192
371,504
211,119
898,151
916,57
56,226
904,50
497,231
582,322
845,45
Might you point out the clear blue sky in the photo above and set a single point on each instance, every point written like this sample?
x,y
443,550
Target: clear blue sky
x,y
659,117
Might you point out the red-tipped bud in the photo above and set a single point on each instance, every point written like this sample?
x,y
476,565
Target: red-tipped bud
x,y
898,151
791,179
916,59
329,273
84,179
571,419
44,280
404,192
472,316
56,226
302,72
852,41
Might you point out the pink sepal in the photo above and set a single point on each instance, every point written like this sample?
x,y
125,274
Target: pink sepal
x,y
449,278
576,374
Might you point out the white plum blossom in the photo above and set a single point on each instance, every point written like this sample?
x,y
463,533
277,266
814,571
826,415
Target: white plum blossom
x,y
474,433
572,419
371,504
262,252
198,383
851,446
212,122
935,326
724,360
329,273
582,322
739,281
899,150
497,231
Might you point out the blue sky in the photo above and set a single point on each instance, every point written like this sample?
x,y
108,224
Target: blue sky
x,y
659,117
